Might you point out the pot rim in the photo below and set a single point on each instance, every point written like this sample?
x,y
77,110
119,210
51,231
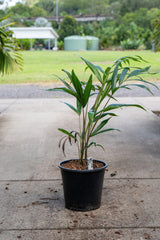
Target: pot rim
x,y
82,171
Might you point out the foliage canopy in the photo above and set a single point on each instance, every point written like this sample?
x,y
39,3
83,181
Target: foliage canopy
x,y
94,120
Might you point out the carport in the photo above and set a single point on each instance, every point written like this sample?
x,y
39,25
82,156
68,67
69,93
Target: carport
x,y
36,33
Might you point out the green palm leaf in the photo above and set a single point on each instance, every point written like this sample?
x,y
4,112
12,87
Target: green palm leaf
x,y
106,74
78,88
73,108
102,115
100,126
87,90
123,75
114,77
91,116
66,132
63,89
105,130
138,72
95,145
94,69
141,86
120,105
139,79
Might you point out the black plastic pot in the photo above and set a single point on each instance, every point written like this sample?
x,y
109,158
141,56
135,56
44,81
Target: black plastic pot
x,y
82,188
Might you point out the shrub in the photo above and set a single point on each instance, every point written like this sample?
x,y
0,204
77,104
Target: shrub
x,y
130,44
60,45
25,44
68,27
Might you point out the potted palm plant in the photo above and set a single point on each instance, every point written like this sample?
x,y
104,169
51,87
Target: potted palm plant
x,y
83,177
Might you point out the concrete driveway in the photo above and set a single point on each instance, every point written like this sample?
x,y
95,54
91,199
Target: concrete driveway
x,y
31,195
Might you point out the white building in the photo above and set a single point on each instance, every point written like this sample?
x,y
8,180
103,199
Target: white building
x,y
36,33
9,3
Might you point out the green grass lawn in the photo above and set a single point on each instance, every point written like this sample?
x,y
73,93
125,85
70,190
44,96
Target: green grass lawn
x,y
42,66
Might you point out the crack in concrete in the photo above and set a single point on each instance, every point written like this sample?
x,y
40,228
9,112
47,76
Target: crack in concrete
x,y
59,179
75,228
6,108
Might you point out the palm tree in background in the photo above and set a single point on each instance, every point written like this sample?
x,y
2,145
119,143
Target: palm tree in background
x,y
156,34
10,58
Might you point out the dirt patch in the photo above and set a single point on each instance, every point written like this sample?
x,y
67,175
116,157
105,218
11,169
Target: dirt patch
x,y
75,164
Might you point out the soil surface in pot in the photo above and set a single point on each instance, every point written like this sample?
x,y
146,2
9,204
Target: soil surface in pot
x,y
74,164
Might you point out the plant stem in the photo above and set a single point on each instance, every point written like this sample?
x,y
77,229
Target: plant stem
x,y
83,137
100,115
102,97
80,139
97,98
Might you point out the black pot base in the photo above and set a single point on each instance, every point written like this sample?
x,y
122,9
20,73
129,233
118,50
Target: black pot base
x,y
83,209
82,188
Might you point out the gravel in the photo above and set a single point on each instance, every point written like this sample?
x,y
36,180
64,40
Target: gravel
x,y
39,91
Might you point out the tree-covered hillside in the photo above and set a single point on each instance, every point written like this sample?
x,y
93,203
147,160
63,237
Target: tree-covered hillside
x,y
98,6
128,24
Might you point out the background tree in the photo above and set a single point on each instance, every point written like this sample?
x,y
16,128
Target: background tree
x,y
114,29
131,6
36,11
97,7
156,34
48,6
22,10
68,27
113,10
73,6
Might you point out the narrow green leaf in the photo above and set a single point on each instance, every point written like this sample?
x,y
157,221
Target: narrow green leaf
x,y
91,116
100,68
63,89
87,90
123,75
100,126
68,74
65,83
141,59
93,68
123,86
76,83
78,87
119,105
142,86
107,72
114,77
79,107
72,107
66,132
102,115
137,72
106,90
139,79
95,145
105,130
